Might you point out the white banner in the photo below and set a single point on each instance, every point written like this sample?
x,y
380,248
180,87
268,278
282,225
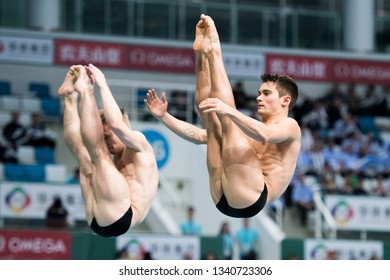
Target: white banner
x,y
240,65
159,247
23,49
31,200
318,249
359,212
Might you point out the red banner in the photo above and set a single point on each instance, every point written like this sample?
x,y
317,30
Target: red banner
x,y
329,69
361,71
70,52
299,67
123,56
165,59
34,245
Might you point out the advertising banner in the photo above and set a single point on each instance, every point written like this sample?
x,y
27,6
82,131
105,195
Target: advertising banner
x,y
125,56
359,213
318,249
73,52
243,65
361,71
300,67
35,245
25,49
159,247
161,59
328,69
31,200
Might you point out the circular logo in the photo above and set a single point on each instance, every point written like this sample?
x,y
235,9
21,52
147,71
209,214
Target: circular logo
x,y
17,199
342,212
160,146
319,252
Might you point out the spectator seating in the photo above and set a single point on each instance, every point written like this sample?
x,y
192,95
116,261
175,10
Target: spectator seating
x,y
24,119
1,171
5,88
32,155
367,124
37,98
24,172
48,173
41,90
4,117
26,154
141,95
30,104
10,103
56,173
44,155
51,107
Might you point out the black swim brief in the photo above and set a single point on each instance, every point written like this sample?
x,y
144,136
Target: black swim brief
x,y
117,228
247,212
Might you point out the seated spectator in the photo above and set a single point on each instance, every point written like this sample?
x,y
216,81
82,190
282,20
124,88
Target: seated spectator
x,y
37,133
351,181
384,106
317,118
302,198
8,155
372,145
380,188
352,97
178,104
190,226
343,127
317,159
336,110
13,135
227,237
247,239
330,179
56,214
252,107
359,190
307,139
352,143
240,96
334,92
369,103
14,131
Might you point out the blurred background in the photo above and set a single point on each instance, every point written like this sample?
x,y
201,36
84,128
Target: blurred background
x,y
337,206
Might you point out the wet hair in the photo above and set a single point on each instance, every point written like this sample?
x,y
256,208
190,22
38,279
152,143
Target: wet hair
x,y
285,85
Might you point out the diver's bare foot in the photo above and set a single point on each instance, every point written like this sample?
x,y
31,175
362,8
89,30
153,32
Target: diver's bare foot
x,y
206,36
83,83
67,88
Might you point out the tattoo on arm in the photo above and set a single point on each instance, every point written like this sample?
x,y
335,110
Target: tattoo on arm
x,y
189,132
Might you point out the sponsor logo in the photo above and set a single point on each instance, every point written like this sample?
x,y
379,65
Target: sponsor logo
x,y
342,212
18,200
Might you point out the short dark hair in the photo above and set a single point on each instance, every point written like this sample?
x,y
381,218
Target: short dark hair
x,y
284,84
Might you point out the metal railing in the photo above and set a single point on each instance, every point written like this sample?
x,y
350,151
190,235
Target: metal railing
x,y
325,225
180,96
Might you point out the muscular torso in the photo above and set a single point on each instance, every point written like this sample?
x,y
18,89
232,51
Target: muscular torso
x,y
141,173
278,162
